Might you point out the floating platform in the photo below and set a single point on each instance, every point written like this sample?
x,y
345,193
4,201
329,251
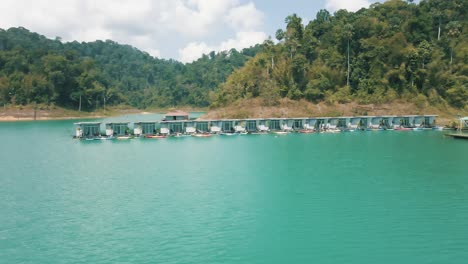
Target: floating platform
x,y
458,136
179,124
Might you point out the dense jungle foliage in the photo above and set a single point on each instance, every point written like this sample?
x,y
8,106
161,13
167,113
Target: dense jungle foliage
x,y
396,50
34,69
392,50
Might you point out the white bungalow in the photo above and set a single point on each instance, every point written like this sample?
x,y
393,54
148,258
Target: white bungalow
x,y
262,126
274,124
387,122
215,126
137,130
343,122
321,123
418,121
239,126
287,124
365,122
190,128
309,123
298,123
375,122
430,121
87,129
332,123
251,125
398,122
117,129
202,126
227,125
408,120
164,128
353,123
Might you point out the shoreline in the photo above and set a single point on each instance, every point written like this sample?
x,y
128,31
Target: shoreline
x,y
27,113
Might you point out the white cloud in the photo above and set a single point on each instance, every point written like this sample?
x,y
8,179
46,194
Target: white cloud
x,y
350,5
195,50
245,17
154,26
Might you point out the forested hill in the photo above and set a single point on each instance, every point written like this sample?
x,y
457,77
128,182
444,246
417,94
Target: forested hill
x,y
396,50
35,69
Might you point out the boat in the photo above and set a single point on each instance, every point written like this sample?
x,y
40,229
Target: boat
x,y
331,131
105,138
259,133
281,132
306,131
202,135
403,129
155,136
178,135
438,128
417,128
229,134
124,137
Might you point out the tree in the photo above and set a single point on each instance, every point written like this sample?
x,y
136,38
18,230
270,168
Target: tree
x,y
348,34
454,30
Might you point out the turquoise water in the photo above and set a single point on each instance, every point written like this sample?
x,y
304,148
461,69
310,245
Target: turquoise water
x,y
362,197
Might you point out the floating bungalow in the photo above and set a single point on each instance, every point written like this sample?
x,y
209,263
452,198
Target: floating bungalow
x,y
176,116
353,123
274,124
418,121
429,121
239,126
309,123
88,129
365,122
343,123
189,127
332,123
144,128
117,129
375,122
215,126
298,124
387,122
202,126
287,124
179,123
251,125
262,125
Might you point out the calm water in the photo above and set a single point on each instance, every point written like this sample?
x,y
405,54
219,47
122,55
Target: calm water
x,y
370,197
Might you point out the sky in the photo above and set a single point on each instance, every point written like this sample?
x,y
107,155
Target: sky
x,y
183,30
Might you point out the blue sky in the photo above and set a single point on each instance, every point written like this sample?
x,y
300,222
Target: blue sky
x,y
177,29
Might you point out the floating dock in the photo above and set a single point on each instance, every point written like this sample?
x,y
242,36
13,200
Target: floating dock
x,y
458,136
178,124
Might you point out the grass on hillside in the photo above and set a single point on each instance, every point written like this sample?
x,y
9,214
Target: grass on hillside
x,y
254,108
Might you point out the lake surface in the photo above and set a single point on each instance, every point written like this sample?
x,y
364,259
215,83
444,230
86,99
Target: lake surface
x,y
362,197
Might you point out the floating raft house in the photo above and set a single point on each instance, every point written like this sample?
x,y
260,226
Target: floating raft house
x,y
178,122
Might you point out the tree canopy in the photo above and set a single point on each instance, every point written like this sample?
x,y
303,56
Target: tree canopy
x,y
391,50
34,68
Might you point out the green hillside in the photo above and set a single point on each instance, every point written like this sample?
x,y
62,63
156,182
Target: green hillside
x,y
36,69
391,51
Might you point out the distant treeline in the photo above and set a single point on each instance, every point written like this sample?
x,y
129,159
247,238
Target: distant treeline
x,y
35,69
392,50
